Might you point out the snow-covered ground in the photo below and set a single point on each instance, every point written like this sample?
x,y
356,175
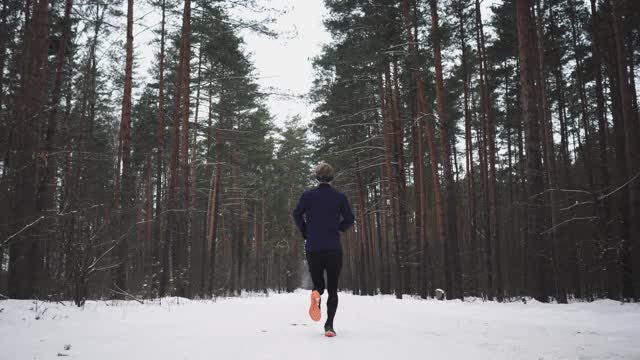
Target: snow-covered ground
x,y
278,327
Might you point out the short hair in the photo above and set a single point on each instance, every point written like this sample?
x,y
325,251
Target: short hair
x,y
324,172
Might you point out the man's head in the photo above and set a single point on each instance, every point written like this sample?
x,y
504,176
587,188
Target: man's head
x,y
324,172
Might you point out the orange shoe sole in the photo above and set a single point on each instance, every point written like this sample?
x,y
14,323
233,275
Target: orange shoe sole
x,y
314,308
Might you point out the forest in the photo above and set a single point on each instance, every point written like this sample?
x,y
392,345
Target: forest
x,y
488,148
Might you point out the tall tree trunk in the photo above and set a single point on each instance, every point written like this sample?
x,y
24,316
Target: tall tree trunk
x,y
493,232
148,221
26,254
195,237
631,248
240,222
423,111
605,236
161,246
549,156
471,192
622,228
261,264
232,226
4,37
427,269
392,178
401,182
418,184
172,216
47,171
522,214
453,276
559,80
512,219
213,222
362,231
254,248
383,218
128,185
531,118
185,240
293,256
588,151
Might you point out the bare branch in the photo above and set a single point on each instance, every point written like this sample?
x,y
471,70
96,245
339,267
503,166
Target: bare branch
x,y
584,192
569,221
124,293
357,148
6,241
577,204
620,187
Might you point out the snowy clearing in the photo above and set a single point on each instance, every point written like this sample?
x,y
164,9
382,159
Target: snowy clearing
x,y
277,327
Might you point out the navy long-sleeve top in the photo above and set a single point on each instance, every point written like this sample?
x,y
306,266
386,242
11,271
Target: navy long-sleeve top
x,y
322,213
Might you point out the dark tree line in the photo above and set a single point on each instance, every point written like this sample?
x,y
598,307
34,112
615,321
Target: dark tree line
x,y
487,155
121,185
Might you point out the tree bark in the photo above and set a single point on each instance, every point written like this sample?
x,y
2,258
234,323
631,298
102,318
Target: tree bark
x,y
471,192
631,248
453,276
128,186
183,288
161,247
588,151
549,160
493,231
531,118
26,254
605,236
389,144
423,111
213,222
47,171
401,181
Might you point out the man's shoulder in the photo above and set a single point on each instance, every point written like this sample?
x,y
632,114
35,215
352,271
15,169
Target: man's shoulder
x,y
307,192
316,190
341,195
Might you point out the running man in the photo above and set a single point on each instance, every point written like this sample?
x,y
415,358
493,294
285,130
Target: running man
x,y
322,213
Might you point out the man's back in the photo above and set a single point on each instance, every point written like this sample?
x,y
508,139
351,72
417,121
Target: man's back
x,y
321,213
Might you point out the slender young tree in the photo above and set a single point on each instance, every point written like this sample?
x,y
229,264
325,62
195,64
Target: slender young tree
x,y
161,248
127,201
469,169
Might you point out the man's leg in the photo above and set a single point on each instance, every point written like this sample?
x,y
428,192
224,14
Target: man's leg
x,y
316,269
315,261
334,265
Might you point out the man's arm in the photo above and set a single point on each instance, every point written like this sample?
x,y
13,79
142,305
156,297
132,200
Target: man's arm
x,y
347,214
298,216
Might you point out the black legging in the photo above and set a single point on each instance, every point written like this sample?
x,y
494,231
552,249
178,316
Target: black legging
x,y
331,262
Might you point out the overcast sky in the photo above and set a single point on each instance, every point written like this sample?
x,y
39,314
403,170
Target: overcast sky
x,y
284,65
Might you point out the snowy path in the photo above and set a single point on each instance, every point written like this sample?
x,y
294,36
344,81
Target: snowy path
x,y
277,327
